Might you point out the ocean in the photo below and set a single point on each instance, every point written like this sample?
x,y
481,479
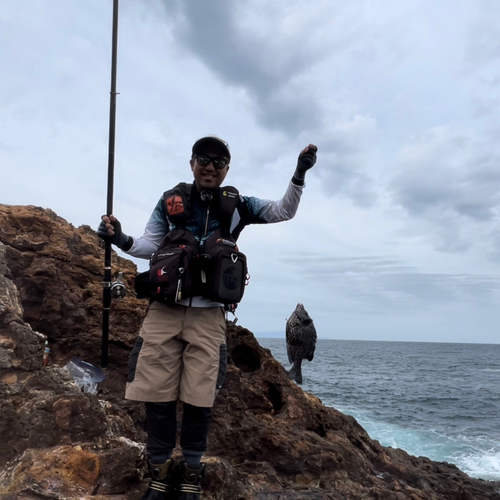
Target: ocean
x,y
438,400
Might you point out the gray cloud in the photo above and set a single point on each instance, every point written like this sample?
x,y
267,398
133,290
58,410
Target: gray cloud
x,y
380,284
345,164
342,175
451,180
483,41
469,194
267,67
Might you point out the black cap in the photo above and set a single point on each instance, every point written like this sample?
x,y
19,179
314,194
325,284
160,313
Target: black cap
x,y
219,146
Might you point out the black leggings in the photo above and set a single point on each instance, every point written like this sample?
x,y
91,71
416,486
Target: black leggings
x,y
161,425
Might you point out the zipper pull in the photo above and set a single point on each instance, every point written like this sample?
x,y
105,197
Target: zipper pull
x,y
207,220
203,276
178,293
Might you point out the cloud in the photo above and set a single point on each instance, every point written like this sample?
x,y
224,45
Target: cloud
x,y
245,54
449,178
483,35
345,164
380,285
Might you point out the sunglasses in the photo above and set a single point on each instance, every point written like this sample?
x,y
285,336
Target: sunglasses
x,y
218,163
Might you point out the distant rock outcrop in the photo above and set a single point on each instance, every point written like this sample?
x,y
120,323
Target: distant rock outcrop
x,y
269,439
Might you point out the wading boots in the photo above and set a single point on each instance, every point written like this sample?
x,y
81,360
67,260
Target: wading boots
x,y
163,484
190,482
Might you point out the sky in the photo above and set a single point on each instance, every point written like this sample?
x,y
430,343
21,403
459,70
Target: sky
x,y
396,236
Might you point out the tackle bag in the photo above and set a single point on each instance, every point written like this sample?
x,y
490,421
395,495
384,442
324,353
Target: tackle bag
x,y
171,269
223,269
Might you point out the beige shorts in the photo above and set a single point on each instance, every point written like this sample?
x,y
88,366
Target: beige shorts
x,y
180,354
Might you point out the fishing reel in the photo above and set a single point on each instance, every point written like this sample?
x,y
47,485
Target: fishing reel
x,y
118,290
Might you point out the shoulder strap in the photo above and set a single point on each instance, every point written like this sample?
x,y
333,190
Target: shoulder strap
x,y
178,203
228,201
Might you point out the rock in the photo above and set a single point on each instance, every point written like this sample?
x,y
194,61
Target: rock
x,y
58,271
269,439
73,471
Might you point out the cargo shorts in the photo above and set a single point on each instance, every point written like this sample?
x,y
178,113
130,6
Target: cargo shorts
x,y
180,353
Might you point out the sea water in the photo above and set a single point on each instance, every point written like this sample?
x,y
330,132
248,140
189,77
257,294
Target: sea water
x,y
437,400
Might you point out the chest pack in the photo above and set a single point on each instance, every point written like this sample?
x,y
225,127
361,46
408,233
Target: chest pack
x,y
182,267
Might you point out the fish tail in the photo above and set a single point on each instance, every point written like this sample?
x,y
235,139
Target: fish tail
x,y
295,373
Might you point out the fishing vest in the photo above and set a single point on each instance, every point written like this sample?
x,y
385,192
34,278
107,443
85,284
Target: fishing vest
x,y
183,267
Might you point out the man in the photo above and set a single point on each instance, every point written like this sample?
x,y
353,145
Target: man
x,y
180,353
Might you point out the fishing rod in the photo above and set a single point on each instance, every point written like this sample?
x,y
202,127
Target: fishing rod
x,y
107,286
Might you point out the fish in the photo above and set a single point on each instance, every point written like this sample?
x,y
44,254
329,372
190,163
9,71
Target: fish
x,y
300,341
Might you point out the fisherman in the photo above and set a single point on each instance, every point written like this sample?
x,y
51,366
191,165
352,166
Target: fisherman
x,y
180,353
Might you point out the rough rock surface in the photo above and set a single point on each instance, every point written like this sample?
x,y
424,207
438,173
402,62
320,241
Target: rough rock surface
x,y
269,439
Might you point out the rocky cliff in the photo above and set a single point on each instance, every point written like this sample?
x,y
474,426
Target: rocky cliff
x,y
269,439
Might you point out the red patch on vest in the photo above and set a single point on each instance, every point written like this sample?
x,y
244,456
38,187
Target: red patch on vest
x,y
175,205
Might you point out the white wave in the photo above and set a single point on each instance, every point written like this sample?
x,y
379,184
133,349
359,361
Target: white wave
x,y
468,453
483,465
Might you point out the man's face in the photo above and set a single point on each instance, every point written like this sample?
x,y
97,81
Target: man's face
x,y
208,176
